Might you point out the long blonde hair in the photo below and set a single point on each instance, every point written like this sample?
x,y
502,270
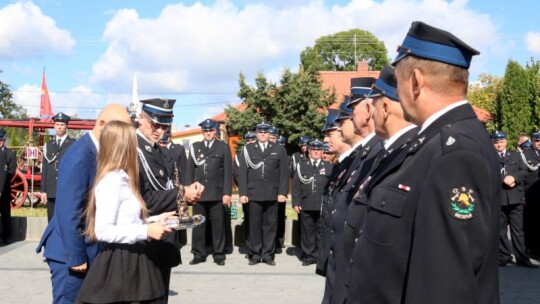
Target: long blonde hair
x,y
117,150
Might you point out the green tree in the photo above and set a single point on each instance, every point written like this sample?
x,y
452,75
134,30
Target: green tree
x,y
514,102
295,106
483,94
533,72
10,110
341,51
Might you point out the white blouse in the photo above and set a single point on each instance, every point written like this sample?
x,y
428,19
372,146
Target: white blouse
x,y
118,212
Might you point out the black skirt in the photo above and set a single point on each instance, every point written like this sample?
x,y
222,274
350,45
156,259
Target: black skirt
x,y
123,273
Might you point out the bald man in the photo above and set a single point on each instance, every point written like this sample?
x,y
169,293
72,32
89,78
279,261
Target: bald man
x,y
66,251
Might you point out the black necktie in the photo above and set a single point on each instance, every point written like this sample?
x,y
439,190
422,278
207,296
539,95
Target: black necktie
x,y
59,142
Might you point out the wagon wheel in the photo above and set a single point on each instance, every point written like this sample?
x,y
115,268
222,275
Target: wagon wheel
x,y
24,164
19,190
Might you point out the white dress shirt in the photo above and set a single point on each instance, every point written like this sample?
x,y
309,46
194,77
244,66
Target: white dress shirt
x,y
118,212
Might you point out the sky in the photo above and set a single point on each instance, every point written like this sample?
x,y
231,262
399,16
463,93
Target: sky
x,y
194,51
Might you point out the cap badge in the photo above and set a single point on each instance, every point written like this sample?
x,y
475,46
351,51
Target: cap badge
x,y
462,203
148,148
450,141
166,104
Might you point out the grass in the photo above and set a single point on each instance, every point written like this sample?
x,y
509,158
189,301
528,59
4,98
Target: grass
x,y
41,210
26,211
290,214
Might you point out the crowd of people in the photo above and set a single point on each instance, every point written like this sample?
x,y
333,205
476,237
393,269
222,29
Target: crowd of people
x,y
406,199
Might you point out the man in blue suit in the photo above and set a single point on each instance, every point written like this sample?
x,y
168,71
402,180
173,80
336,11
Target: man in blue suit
x,y
67,252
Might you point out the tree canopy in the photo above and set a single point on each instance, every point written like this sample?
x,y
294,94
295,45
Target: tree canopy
x,y
296,106
341,51
10,110
483,94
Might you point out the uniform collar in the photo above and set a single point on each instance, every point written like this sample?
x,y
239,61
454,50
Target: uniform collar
x,y
440,113
393,138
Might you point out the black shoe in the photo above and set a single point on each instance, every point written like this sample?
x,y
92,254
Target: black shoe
x,y
278,250
254,261
269,262
247,256
527,263
7,241
196,261
307,262
220,262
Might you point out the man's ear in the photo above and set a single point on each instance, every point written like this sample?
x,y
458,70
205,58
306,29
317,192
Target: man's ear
x,y
418,81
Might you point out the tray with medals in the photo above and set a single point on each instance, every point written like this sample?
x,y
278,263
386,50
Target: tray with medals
x,y
184,222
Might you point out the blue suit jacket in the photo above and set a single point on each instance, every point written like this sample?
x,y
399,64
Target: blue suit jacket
x,y
62,238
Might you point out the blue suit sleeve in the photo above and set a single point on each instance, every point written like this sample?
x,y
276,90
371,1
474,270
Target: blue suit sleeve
x,y
74,177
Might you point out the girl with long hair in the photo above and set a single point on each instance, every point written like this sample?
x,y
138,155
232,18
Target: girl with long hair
x,y
116,215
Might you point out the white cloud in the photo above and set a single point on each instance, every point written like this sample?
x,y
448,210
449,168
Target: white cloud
x,y
78,102
25,32
532,41
202,48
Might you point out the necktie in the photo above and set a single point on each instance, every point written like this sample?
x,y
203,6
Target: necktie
x,y
502,155
59,142
206,145
263,147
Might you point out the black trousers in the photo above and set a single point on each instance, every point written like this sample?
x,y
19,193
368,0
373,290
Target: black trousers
x,y
512,216
309,234
262,229
215,214
5,212
245,210
50,207
531,224
280,233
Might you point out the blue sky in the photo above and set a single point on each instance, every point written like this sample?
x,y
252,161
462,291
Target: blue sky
x,y
193,51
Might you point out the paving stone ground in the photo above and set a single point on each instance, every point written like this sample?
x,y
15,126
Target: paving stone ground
x,y
24,278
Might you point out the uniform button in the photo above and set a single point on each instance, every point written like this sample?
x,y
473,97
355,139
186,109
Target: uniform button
x,y
331,252
356,240
361,231
351,261
383,204
333,211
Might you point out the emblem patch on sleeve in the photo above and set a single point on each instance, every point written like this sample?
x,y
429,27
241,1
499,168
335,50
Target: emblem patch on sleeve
x,y
462,203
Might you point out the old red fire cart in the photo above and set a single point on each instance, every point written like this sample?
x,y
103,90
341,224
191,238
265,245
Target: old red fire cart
x,y
28,172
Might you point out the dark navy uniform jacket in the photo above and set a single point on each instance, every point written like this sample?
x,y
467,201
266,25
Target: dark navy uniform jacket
x,y
431,234
328,208
155,185
267,181
309,195
49,169
338,256
175,154
512,165
214,171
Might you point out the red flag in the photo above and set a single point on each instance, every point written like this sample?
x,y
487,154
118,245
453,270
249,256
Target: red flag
x,y
45,109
